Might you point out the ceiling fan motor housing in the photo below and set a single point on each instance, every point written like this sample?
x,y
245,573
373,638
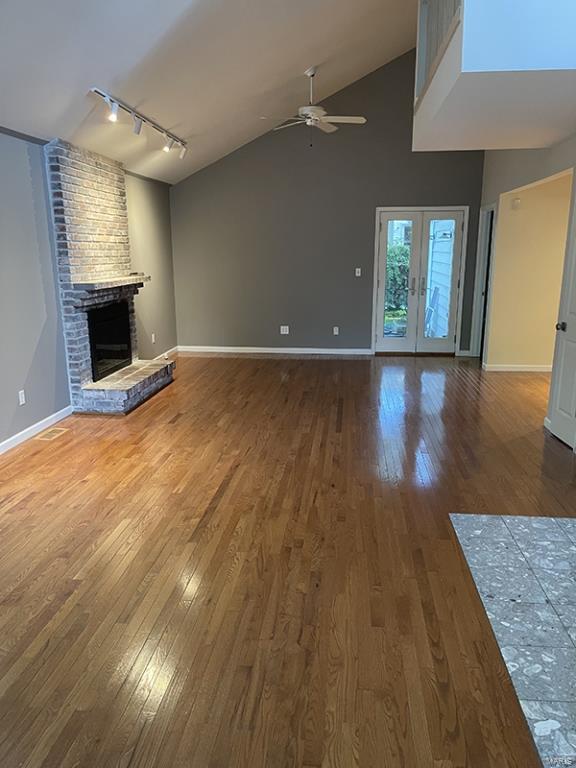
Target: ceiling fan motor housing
x,y
312,112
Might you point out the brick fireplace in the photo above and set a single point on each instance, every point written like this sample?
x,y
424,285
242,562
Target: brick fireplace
x,y
89,214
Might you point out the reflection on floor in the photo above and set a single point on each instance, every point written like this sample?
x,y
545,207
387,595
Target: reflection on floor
x,y
525,572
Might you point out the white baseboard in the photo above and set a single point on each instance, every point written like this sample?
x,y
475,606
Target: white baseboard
x,y
276,350
35,429
168,352
465,353
548,424
517,368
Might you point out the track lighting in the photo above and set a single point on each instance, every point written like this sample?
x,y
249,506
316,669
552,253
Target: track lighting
x,y
114,104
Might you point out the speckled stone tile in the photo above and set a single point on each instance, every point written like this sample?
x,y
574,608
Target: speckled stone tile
x,y
567,614
542,674
551,555
526,624
512,582
553,726
568,525
487,526
530,529
531,604
559,585
482,552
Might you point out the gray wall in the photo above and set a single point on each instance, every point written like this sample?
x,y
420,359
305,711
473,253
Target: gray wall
x,y
151,251
506,170
31,341
271,234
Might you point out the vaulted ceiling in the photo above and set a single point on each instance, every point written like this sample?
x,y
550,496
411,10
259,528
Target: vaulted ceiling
x,y
207,70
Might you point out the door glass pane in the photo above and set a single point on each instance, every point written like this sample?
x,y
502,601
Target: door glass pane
x,y
398,254
439,278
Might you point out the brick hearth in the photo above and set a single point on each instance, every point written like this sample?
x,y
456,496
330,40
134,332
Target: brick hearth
x,y
88,198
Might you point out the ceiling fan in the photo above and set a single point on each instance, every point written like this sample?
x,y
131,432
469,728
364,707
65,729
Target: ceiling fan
x,y
315,116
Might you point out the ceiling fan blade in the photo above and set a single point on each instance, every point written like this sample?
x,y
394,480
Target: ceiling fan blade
x,y
325,127
289,125
343,119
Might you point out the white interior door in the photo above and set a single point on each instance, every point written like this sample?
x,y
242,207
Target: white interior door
x,y
439,281
561,420
398,278
418,274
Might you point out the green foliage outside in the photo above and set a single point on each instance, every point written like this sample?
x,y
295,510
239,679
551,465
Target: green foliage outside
x,y
397,271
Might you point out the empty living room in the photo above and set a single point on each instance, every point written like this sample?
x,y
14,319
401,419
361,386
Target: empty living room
x,y
288,385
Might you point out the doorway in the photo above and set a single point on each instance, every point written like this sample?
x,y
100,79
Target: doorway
x,y
529,322
526,276
418,265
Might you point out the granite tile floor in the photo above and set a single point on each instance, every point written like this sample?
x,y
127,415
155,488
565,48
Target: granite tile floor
x,y
525,572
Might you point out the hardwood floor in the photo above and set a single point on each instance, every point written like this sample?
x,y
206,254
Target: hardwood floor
x,y
256,568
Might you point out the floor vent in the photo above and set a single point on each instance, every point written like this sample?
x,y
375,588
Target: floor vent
x,y
51,434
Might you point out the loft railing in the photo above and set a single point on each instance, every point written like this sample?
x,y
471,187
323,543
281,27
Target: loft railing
x,y
436,23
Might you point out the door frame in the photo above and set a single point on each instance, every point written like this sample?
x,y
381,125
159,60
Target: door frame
x,y
465,209
485,246
568,272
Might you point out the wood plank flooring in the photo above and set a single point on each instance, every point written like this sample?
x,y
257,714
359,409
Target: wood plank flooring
x,y
256,568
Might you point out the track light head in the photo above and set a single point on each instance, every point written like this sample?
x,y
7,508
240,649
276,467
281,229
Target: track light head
x,y
183,150
168,145
113,116
137,124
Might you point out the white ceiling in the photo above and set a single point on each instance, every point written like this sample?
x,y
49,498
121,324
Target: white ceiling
x,y
204,69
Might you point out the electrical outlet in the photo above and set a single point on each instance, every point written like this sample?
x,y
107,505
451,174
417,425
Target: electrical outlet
x,y
21,397
284,330
153,338
358,272
336,330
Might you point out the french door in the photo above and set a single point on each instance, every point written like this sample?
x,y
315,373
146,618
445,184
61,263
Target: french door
x,y
418,276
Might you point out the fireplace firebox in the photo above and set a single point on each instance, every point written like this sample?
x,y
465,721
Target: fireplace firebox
x,y
110,344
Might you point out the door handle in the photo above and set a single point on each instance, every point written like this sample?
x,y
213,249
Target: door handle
x,y
422,286
413,286
561,326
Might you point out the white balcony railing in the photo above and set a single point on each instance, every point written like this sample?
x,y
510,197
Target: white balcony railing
x,y
437,21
